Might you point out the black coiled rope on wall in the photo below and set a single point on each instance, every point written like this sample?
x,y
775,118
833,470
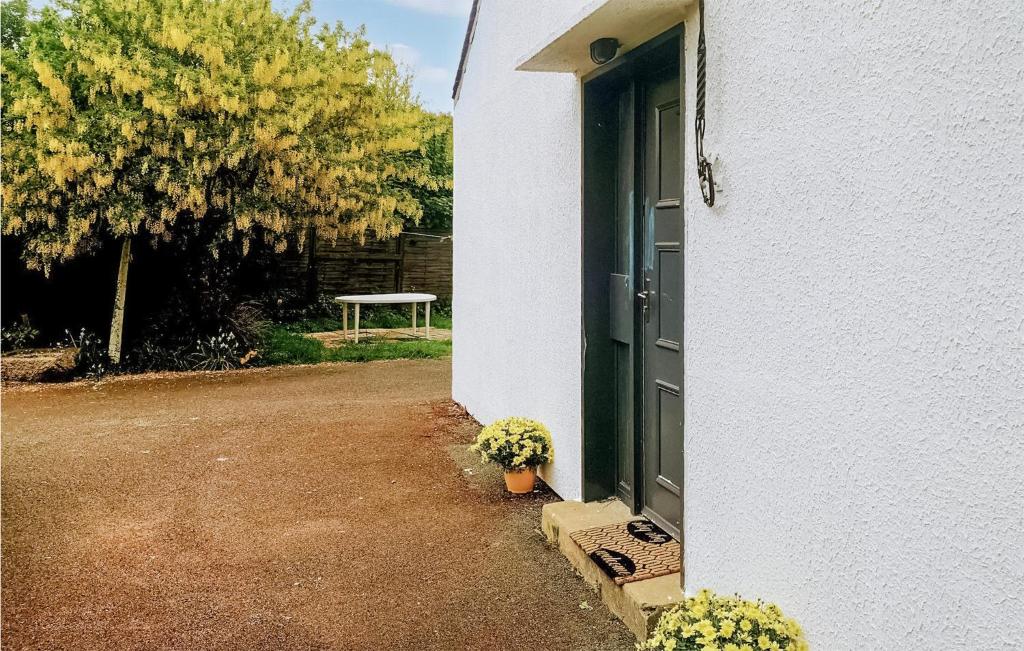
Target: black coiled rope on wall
x,y
704,173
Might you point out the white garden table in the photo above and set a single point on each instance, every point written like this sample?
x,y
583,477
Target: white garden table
x,y
380,299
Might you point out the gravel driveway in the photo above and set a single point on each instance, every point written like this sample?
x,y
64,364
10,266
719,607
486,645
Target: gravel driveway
x,y
324,507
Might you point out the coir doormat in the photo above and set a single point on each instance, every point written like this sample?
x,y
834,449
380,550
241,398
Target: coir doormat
x,y
630,551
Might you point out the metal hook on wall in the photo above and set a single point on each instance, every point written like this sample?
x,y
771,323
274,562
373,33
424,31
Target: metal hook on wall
x,y
704,171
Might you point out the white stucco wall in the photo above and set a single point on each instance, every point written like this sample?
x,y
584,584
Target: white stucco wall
x,y
516,299
854,304
855,321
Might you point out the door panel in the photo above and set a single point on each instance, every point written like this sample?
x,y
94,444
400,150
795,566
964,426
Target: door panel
x,y
670,316
668,126
670,444
663,322
622,280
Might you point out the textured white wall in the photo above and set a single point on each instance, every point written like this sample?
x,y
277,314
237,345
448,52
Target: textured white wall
x,y
517,234
855,320
855,304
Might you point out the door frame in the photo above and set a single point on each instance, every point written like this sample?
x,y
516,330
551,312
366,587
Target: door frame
x,y
599,173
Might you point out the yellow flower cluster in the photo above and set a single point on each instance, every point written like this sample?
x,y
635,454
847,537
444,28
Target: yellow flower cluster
x,y
515,443
708,622
142,118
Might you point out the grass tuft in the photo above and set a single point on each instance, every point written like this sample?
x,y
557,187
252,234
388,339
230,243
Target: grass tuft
x,y
284,346
378,319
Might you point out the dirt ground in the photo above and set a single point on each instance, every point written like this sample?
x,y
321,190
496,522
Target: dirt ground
x,y
335,338
324,507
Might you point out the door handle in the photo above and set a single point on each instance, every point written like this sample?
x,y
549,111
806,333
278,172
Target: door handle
x,y
645,300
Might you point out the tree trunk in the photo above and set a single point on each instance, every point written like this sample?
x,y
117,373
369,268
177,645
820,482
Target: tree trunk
x,y
117,323
312,266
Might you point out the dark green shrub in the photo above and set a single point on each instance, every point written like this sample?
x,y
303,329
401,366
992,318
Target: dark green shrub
x,y
290,306
150,355
18,335
92,359
248,322
385,316
218,352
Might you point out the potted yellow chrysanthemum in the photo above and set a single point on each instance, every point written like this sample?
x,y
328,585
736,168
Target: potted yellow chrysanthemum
x,y
709,621
518,445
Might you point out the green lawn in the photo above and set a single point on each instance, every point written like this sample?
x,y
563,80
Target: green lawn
x,y
371,318
287,346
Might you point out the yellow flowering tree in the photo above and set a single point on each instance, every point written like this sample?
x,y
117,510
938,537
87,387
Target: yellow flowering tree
x,y
221,122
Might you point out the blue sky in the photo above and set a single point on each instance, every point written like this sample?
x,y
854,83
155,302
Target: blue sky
x,y
425,35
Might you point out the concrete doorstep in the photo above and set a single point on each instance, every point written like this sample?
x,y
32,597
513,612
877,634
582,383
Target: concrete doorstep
x,y
638,604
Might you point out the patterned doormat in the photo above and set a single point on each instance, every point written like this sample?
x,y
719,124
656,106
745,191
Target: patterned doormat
x,y
630,551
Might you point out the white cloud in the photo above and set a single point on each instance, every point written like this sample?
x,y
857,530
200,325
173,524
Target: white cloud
x,y
412,58
404,54
445,7
433,83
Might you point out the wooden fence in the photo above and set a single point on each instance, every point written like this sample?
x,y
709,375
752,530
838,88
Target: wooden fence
x,y
416,261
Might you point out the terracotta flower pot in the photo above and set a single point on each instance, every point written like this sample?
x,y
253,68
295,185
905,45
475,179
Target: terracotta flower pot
x,y
520,481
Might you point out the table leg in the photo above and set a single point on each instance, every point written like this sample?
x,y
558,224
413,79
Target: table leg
x,y
428,319
414,318
344,320
357,323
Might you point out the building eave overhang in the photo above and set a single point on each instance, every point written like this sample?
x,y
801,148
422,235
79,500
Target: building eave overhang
x,y
632,22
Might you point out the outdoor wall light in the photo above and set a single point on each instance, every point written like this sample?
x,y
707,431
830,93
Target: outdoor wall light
x,y
604,50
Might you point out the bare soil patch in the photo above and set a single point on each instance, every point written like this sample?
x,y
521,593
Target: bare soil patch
x,y
38,364
335,338
322,507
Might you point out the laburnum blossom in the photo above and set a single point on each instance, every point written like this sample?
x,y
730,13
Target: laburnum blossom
x,y
170,118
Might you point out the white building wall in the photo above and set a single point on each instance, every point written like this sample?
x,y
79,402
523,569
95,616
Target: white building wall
x,y
855,320
516,303
854,304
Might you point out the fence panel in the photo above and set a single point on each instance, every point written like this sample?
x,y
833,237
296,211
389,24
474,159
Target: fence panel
x,y
416,261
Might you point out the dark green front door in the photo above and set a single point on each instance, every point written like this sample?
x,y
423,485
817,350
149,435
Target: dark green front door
x,y
661,299
633,282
